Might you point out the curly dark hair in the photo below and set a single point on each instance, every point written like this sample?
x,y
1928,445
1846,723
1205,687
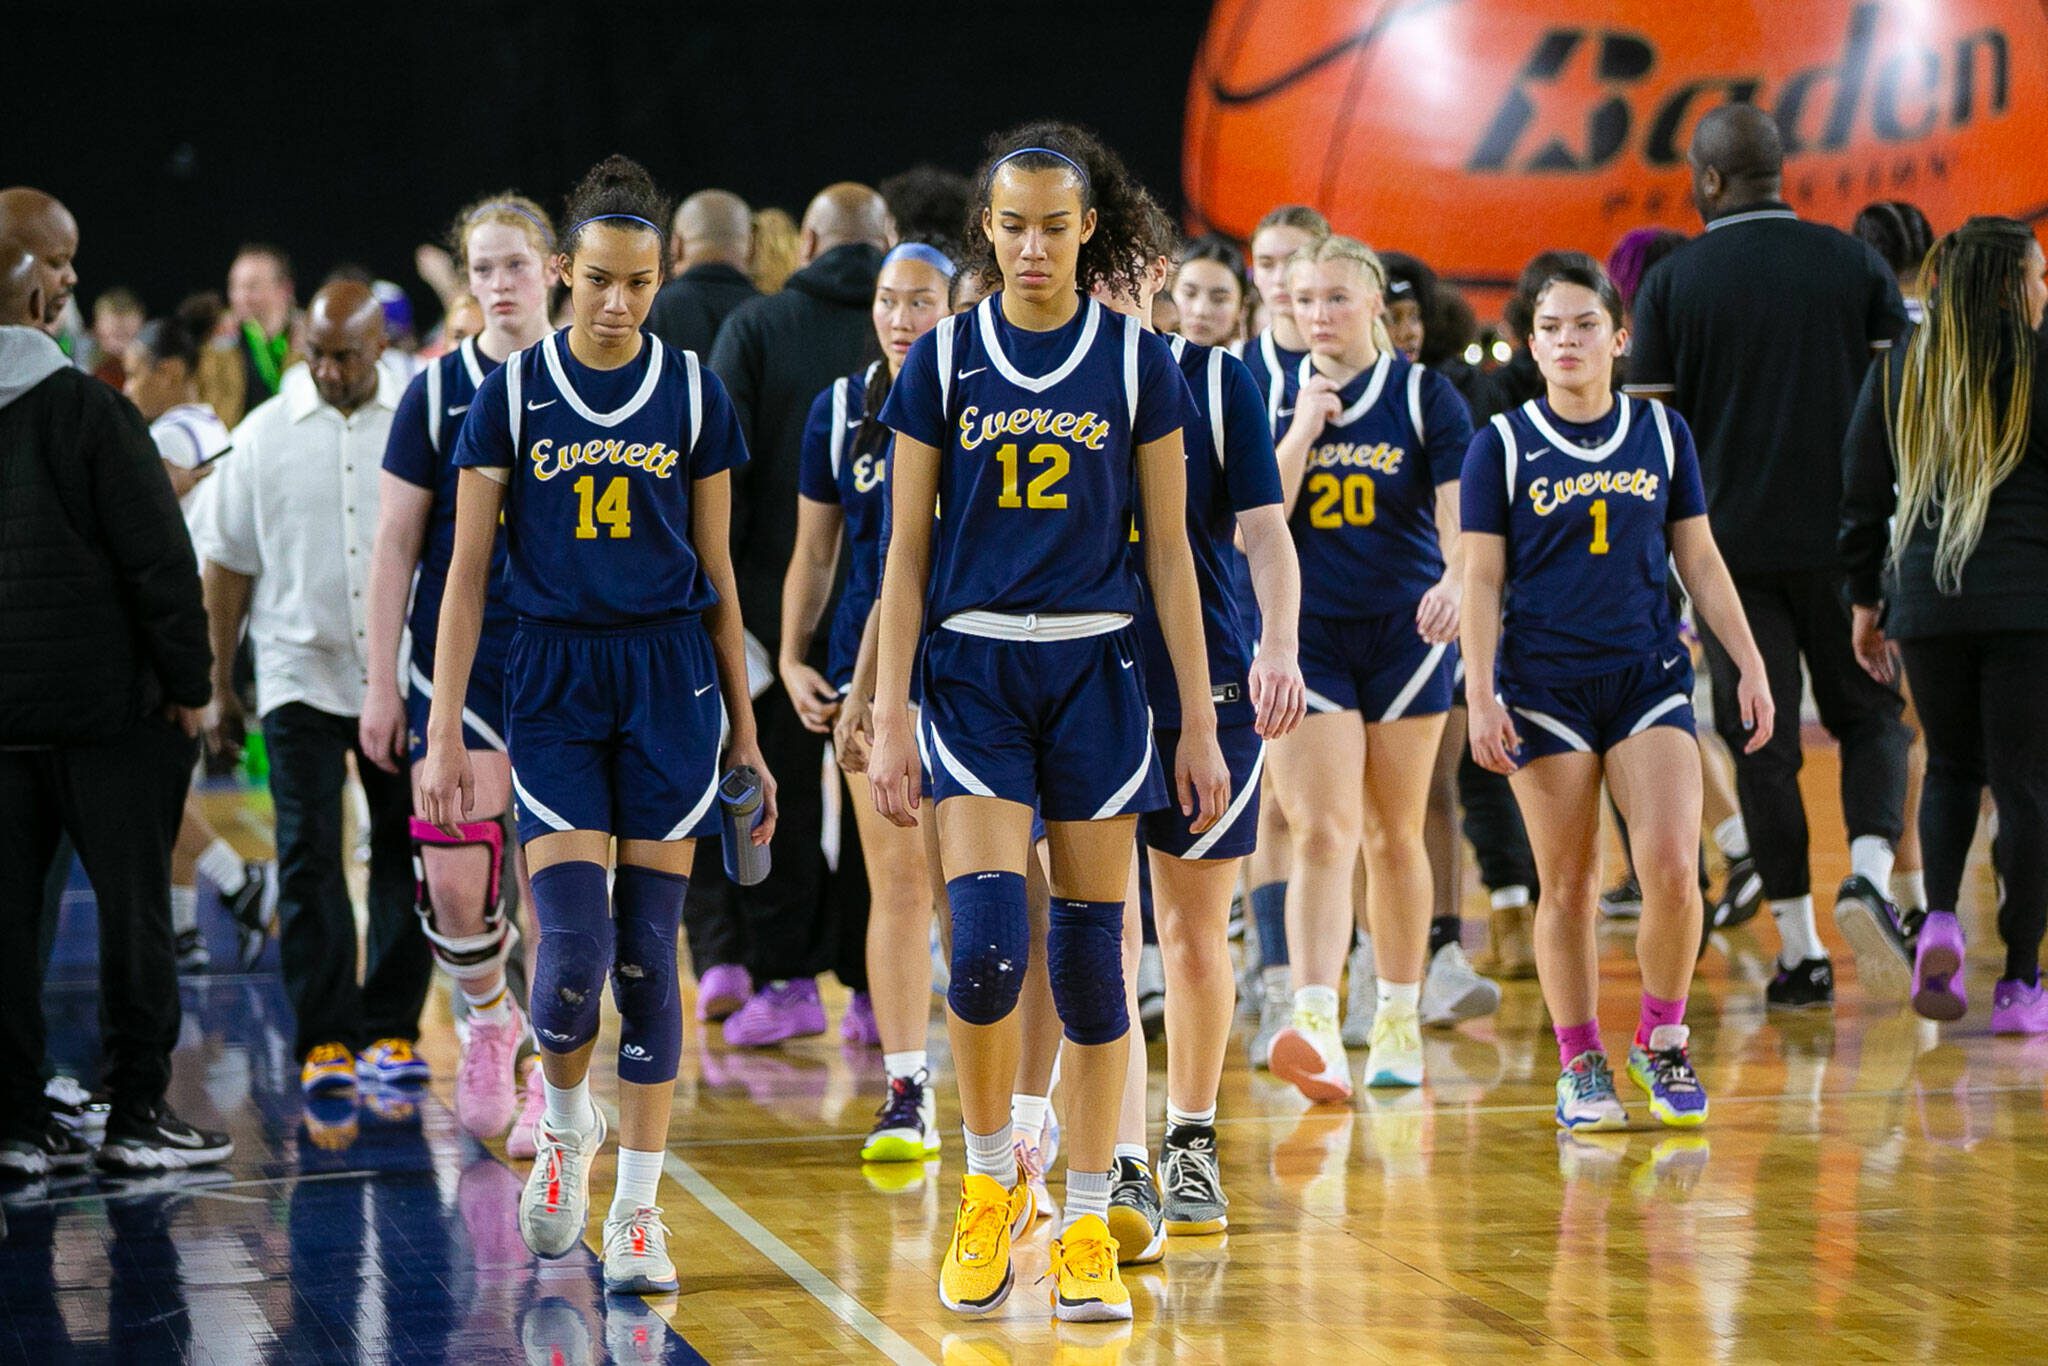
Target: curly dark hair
x,y
1127,233
616,185
1898,232
928,203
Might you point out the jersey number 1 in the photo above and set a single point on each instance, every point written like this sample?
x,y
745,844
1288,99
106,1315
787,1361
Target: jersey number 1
x,y
610,508
1599,511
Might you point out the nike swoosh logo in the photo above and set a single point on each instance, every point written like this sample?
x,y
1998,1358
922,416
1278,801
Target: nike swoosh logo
x,y
1533,455
1672,662
705,689
856,422
1284,412
463,409
975,371
1127,663
533,407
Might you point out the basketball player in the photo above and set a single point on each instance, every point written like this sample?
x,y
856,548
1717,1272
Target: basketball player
x,y
1573,504
502,244
1034,425
1276,351
608,455
841,488
1212,292
1369,456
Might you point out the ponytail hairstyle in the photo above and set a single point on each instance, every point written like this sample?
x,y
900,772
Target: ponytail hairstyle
x,y
183,335
512,210
618,190
1576,268
1337,247
1961,424
873,436
1898,232
1519,312
1124,244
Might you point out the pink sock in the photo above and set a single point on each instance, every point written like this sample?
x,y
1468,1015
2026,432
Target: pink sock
x,y
1573,1040
1658,1011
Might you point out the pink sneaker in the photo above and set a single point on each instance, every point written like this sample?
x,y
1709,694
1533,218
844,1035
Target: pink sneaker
x,y
486,1086
778,1011
1938,992
721,991
857,1026
487,1196
519,1143
2019,1008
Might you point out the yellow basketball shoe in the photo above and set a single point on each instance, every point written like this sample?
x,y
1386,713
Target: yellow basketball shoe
x,y
977,1274
1086,1286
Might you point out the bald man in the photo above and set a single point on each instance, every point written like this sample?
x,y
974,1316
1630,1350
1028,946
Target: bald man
x,y
712,235
775,355
36,224
1760,331
286,539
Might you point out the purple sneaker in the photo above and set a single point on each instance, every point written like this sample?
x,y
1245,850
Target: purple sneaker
x,y
1938,968
2019,1007
857,1026
778,1011
721,991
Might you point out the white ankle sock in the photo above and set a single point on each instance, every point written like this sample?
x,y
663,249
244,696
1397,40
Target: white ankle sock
x,y
906,1064
490,1007
1796,928
569,1110
1871,856
184,908
1135,1151
1087,1193
990,1155
1176,1117
1506,898
1909,890
1404,998
1027,1115
219,864
1731,837
639,1181
1321,1000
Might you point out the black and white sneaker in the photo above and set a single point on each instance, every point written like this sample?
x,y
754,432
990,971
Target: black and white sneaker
x,y
157,1140
1622,901
1876,931
1810,985
42,1149
1195,1202
1742,895
192,952
76,1108
255,910
1136,1220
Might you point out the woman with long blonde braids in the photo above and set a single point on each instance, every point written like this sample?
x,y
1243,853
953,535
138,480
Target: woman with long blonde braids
x,y
1948,446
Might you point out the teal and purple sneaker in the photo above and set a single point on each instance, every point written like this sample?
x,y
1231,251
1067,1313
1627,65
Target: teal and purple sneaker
x,y
1585,1095
1662,1068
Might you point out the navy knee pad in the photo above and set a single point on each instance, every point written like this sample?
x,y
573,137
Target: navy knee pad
x,y
573,910
991,945
1085,959
650,910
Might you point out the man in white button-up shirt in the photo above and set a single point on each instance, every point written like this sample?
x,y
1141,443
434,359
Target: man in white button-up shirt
x,y
286,532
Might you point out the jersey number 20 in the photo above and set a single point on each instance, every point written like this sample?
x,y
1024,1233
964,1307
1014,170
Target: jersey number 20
x,y
1039,494
1339,502
610,508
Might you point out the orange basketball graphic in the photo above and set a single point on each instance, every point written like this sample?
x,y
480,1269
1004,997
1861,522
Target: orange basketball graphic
x,y
1475,133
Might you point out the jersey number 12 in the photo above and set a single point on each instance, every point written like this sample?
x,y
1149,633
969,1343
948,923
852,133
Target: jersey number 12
x,y
609,508
1039,494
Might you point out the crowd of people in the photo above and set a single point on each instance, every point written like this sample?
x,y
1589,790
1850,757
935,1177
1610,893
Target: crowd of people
x,y
1132,582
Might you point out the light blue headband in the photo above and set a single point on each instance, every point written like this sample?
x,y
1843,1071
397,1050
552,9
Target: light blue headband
x,y
1079,169
509,207
601,217
919,251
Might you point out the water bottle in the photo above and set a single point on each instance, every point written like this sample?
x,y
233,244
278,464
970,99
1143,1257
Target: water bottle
x,y
742,805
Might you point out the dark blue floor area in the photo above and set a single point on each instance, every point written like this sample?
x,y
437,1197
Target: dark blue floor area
x,y
365,1229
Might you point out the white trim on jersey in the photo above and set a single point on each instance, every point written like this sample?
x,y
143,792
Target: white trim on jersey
x,y
1664,435
515,384
985,317
1177,344
1415,401
1557,728
1365,401
838,440
1269,354
476,723
1121,798
694,369
434,407
945,345
1414,683
551,353
1318,702
1236,808
1591,455
1216,403
1649,718
470,363
1512,454
541,813
1131,334
688,823
961,774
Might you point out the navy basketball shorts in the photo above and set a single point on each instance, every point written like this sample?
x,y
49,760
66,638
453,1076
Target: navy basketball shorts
x,y
1377,666
615,729
1236,833
1593,715
483,708
1060,722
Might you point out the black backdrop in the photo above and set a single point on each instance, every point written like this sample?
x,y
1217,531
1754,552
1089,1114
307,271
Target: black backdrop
x,y
354,131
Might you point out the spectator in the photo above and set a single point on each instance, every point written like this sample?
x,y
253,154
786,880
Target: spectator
x,y
248,370
116,317
928,204
1902,236
710,240
775,354
45,230
1635,253
289,525
1760,331
102,680
777,250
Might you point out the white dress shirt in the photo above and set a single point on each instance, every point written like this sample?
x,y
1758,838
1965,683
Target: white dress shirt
x,y
294,507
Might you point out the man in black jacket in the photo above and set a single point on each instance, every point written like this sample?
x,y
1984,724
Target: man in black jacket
x,y
103,675
775,354
709,244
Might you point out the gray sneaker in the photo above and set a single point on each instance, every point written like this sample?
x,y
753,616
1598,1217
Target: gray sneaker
x,y
636,1260
552,1333
554,1207
1452,990
1195,1202
1276,1012
1363,999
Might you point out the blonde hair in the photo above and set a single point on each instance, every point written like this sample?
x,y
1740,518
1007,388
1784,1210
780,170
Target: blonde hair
x,y
776,243
1955,437
512,210
1337,247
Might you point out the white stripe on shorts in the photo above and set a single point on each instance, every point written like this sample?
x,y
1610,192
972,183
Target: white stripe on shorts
x,y
1557,728
1122,796
541,813
1318,702
960,772
689,822
1216,832
1649,718
1414,683
469,718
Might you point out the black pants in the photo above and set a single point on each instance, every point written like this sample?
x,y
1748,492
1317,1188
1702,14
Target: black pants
x,y
1493,825
120,802
1795,614
316,922
1981,708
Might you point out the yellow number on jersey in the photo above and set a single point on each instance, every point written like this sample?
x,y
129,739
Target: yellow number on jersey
x,y
1599,510
1339,502
611,509
1039,494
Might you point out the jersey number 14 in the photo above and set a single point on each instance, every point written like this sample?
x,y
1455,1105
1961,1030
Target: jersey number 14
x,y
609,507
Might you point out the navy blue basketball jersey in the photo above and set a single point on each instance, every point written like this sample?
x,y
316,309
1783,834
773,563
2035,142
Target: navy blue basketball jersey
x,y
836,467
1585,511
597,504
1272,368
421,451
1038,435
1230,470
1365,520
